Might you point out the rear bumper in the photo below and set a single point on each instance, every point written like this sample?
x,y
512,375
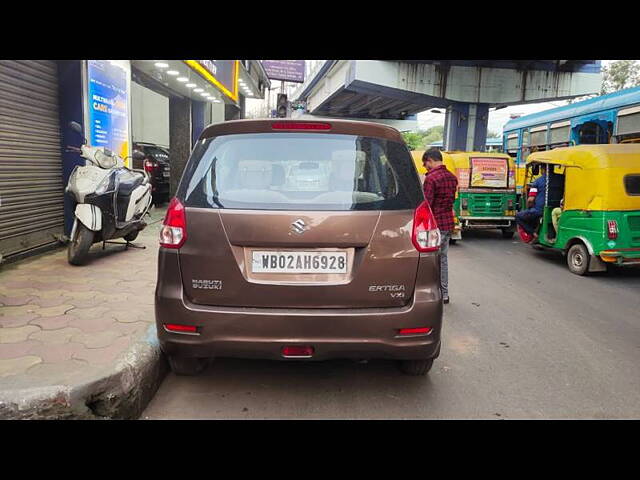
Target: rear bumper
x,y
487,222
261,333
622,256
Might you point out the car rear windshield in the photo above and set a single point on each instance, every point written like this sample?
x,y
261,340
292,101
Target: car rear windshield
x,y
300,171
632,184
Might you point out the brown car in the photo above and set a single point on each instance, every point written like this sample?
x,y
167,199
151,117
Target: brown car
x,y
298,240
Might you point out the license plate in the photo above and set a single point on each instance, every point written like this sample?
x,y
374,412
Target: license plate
x,y
166,174
299,262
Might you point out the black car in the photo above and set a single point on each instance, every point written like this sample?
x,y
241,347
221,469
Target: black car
x,y
156,163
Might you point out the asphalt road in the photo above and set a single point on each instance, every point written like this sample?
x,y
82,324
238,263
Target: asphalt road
x,y
523,339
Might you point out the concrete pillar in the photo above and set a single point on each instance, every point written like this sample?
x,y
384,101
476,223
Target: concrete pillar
x,y
455,126
465,126
179,138
479,140
198,121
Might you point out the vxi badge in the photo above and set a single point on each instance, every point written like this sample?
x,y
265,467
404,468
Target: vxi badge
x,y
396,291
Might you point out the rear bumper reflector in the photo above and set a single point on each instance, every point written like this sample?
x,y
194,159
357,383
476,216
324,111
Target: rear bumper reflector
x,y
176,328
414,331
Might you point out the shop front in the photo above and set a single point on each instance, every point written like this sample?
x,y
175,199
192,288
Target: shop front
x,y
118,103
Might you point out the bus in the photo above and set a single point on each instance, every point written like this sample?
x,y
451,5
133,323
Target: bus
x,y
611,118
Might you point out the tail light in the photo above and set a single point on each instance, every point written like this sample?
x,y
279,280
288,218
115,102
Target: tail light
x,y
613,229
510,204
150,166
174,227
425,235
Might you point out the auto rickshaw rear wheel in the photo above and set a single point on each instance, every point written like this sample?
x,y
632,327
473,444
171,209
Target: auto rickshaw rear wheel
x,y
578,259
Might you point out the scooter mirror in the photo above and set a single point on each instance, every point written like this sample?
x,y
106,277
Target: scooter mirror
x,y
75,126
138,155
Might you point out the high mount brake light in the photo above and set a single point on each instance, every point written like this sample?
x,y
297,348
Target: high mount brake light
x,y
613,229
174,227
425,235
300,126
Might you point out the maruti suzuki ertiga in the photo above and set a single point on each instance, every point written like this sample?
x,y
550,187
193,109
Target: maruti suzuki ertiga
x,y
299,240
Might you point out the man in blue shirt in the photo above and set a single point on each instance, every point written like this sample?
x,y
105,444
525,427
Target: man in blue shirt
x,y
528,219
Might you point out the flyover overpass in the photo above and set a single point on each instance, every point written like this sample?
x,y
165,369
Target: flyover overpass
x,y
465,89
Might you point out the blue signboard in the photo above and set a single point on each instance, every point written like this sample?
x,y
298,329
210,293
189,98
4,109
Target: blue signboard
x,y
108,105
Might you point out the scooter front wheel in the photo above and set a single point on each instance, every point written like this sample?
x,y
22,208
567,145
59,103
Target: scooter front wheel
x,y
80,245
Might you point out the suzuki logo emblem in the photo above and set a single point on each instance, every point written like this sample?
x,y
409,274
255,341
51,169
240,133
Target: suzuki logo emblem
x,y
298,226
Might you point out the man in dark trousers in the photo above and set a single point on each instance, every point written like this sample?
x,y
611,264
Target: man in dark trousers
x,y
440,191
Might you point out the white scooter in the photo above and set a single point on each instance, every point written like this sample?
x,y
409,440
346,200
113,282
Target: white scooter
x,y
111,200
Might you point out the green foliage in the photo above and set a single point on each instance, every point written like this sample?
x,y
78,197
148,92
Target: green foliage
x,y
619,75
421,139
414,140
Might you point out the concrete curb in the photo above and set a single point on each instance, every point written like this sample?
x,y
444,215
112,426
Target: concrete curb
x,y
120,391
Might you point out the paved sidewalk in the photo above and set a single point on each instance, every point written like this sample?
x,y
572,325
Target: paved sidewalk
x,y
80,342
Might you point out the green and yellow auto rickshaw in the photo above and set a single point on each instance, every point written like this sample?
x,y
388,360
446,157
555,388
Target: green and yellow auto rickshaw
x,y
593,191
486,190
422,171
486,195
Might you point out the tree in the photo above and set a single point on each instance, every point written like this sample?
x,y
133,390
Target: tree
x,y
421,139
413,140
492,134
619,75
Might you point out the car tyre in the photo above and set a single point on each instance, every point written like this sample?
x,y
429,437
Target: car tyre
x,y
578,259
416,367
186,365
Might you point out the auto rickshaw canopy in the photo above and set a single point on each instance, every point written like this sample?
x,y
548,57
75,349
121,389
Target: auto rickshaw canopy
x,y
594,174
459,163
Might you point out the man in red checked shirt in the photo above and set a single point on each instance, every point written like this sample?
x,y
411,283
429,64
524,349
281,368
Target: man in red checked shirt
x,y
440,191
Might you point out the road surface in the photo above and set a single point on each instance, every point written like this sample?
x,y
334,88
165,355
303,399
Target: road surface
x,y
523,339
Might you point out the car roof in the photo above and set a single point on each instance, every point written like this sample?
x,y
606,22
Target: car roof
x,y
346,127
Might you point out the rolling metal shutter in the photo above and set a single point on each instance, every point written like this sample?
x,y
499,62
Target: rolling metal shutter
x,y
31,191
